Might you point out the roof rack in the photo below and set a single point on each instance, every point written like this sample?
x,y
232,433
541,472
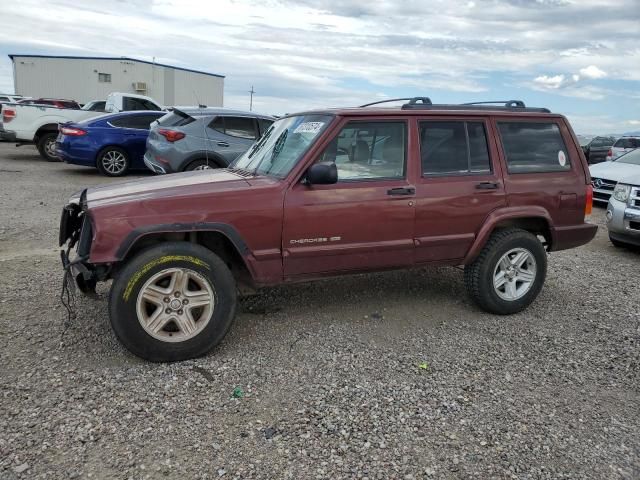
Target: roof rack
x,y
500,105
412,101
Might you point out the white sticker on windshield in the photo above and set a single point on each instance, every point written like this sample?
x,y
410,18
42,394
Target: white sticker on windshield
x,y
562,158
309,127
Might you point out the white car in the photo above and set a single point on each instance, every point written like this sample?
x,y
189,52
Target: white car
x,y
605,175
624,144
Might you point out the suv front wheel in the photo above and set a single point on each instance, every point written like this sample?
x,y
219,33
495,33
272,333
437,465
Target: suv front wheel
x,y
172,302
509,272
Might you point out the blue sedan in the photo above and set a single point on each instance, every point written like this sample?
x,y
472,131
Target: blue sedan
x,y
114,144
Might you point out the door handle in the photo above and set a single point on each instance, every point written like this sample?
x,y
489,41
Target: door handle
x,y
487,185
222,144
401,191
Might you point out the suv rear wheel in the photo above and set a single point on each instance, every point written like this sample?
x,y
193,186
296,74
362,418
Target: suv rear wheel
x,y
172,302
509,272
201,164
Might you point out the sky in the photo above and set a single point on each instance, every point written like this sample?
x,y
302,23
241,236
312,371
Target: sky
x,y
580,58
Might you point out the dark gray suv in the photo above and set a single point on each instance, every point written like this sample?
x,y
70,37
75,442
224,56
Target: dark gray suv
x,y
201,138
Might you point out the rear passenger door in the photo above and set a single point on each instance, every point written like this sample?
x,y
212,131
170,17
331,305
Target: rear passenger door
x,y
541,169
231,136
460,183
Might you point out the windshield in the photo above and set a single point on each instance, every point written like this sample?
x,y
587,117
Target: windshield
x,y
280,148
633,157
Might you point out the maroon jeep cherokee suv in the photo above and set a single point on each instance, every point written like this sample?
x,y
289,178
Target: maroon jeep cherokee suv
x,y
490,187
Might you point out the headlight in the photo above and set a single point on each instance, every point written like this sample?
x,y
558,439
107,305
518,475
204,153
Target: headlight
x,y
621,192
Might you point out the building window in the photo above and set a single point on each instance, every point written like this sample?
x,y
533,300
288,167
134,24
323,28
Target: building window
x,y
104,77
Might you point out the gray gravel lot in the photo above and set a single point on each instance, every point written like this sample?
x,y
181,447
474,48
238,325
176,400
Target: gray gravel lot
x,y
329,371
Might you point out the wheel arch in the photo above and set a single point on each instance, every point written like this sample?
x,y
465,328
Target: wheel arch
x,y
46,128
220,238
535,220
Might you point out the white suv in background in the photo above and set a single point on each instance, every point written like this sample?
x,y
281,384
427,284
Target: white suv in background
x,y
623,145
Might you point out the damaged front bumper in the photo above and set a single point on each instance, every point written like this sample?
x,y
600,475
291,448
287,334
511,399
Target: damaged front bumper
x,y
76,233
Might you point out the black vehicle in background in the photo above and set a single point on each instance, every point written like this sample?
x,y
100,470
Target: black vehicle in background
x,y
596,149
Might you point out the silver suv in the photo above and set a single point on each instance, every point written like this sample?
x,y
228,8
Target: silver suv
x,y
623,211
201,138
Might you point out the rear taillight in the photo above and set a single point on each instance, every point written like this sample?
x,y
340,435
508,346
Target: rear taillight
x,y
72,132
588,205
610,152
171,135
8,114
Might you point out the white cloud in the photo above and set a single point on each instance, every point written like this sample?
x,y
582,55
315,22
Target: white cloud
x,y
634,122
592,72
546,81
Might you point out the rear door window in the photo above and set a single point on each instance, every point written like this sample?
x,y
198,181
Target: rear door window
x,y
242,127
143,122
125,122
454,148
533,147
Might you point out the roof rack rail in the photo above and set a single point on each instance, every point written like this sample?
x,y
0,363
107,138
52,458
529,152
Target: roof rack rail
x,y
412,101
506,103
500,105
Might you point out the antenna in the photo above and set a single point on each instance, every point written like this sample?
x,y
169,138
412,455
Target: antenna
x,y
252,91
204,129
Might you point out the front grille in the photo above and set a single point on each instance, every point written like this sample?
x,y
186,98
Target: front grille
x,y
601,195
635,196
603,184
634,225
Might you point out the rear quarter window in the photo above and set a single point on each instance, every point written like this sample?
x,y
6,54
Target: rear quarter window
x,y
534,147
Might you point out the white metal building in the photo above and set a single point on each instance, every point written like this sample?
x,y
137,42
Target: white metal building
x,y
93,78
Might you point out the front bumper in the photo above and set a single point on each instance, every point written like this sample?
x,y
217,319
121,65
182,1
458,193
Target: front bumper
x,y
76,233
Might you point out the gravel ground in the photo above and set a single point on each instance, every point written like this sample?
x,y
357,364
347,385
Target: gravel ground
x,y
393,375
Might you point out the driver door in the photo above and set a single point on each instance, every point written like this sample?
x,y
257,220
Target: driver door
x,y
364,221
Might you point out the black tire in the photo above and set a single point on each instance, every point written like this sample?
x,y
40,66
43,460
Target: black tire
x,y
479,275
113,162
123,301
46,146
618,243
201,164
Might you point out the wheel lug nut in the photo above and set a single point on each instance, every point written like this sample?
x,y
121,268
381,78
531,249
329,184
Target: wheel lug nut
x,y
166,299
168,310
185,301
177,294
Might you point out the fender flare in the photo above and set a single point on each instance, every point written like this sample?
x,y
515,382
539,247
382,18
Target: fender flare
x,y
225,229
500,215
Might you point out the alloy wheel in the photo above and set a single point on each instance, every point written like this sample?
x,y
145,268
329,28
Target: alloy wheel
x,y
175,304
114,162
514,274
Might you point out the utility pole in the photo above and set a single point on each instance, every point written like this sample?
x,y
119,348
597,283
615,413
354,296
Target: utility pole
x,y
252,91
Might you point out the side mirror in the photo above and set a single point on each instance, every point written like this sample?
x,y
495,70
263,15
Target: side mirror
x,y
323,173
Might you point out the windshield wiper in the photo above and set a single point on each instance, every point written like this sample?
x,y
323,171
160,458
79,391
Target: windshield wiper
x,y
277,148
